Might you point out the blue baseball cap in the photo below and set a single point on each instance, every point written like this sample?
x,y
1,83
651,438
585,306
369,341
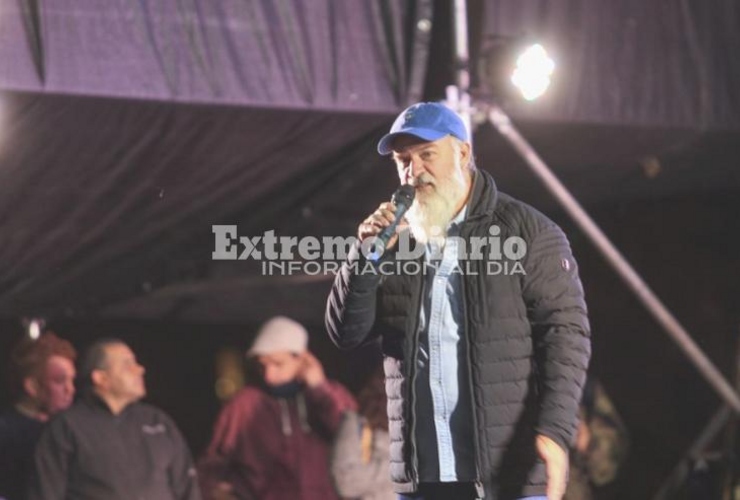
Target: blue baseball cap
x,y
426,120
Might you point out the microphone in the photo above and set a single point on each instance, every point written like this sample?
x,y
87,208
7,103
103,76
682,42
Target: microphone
x,y
402,199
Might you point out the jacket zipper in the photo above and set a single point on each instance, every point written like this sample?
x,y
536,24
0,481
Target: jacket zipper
x,y
414,373
468,349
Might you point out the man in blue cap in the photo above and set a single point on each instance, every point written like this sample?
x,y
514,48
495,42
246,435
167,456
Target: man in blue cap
x,y
486,347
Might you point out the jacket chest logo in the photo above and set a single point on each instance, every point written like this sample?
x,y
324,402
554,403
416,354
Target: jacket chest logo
x,y
154,429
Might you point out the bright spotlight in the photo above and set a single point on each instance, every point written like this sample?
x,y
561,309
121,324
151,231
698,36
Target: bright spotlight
x,y
533,70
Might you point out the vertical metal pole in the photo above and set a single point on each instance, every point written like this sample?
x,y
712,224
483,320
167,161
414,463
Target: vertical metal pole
x,y
462,57
458,97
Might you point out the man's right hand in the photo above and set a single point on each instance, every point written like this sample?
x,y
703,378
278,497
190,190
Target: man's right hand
x,y
377,221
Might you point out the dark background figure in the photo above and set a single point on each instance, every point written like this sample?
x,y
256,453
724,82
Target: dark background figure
x,y
110,445
41,376
600,449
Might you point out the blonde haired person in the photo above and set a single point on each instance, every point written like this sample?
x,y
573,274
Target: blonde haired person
x,y
359,459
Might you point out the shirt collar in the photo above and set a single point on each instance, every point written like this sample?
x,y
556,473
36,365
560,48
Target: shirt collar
x,y
460,217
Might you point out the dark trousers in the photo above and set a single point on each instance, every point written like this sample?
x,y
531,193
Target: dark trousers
x,y
443,491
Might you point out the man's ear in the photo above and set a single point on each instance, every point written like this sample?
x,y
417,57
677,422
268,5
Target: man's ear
x,y
98,377
31,387
465,151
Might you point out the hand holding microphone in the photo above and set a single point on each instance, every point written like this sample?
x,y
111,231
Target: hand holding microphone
x,y
381,224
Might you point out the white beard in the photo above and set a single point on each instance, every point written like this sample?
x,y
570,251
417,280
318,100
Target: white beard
x,y
435,207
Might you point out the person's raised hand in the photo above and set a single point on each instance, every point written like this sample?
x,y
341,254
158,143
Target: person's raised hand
x,y
311,372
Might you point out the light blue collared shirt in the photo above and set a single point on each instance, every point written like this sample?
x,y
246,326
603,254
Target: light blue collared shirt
x,y
442,318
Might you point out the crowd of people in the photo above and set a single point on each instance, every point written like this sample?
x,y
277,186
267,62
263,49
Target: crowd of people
x,y
271,441
478,396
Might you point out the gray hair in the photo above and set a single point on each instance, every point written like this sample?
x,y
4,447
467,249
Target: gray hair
x,y
457,147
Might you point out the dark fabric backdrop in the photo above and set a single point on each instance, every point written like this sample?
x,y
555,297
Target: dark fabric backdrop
x,y
668,63
130,127
350,55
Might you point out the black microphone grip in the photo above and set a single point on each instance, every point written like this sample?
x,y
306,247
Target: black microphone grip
x,y
402,199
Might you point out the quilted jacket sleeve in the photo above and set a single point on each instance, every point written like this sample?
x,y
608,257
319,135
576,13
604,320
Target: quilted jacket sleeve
x,y
557,312
350,309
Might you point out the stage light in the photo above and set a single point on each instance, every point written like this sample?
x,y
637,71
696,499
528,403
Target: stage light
x,y
533,70
512,68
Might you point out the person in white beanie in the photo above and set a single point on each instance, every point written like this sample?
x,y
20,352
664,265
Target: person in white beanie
x,y
271,441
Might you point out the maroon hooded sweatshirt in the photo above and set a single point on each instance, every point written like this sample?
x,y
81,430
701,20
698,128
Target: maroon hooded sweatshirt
x,y
276,448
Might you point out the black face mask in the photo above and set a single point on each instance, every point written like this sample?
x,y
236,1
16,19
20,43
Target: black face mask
x,y
284,390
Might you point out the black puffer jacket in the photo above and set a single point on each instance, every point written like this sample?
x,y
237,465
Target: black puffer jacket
x,y
528,337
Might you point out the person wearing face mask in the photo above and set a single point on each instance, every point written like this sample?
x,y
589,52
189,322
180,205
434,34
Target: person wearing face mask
x,y
486,339
271,441
41,376
109,445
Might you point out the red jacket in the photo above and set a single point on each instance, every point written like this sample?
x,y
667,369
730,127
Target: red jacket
x,y
271,448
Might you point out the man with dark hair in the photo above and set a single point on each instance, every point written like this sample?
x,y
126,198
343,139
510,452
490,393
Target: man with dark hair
x,y
95,358
108,444
486,338
41,374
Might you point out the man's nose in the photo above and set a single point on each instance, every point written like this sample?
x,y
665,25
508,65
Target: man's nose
x,y
416,167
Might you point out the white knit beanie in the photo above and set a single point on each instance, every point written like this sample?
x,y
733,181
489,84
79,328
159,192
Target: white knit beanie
x,y
279,334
